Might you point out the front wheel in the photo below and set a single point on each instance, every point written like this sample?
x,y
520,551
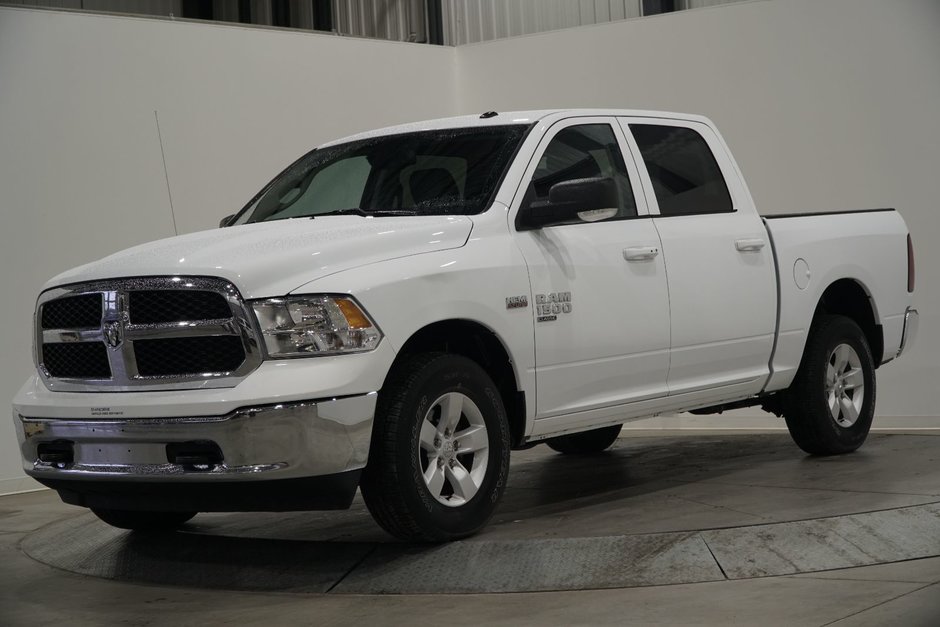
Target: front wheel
x,y
831,403
440,450
143,521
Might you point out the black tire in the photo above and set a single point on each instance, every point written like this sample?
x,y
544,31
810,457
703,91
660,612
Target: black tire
x,y
811,424
393,483
586,442
151,522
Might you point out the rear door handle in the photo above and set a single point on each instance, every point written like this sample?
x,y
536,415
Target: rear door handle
x,y
640,253
748,245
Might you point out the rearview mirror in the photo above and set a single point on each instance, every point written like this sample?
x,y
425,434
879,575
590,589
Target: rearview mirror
x,y
589,200
224,222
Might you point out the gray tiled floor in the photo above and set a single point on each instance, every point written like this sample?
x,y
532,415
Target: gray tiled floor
x,y
905,593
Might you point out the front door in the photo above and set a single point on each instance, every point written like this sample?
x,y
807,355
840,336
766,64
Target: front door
x,y
599,289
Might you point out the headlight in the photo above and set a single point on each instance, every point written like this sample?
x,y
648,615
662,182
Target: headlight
x,y
307,326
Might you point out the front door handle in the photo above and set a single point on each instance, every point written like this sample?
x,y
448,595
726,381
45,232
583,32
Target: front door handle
x,y
748,245
640,253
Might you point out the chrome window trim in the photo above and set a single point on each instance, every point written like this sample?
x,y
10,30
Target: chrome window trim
x,y
122,360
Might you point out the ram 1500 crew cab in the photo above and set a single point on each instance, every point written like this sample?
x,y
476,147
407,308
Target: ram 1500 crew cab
x,y
397,310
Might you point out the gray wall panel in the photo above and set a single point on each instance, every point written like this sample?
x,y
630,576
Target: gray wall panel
x,y
397,20
472,21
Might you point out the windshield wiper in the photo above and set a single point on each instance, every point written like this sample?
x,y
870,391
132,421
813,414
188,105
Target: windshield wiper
x,y
357,211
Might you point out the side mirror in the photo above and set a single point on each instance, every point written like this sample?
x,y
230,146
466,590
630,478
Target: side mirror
x,y
224,222
589,199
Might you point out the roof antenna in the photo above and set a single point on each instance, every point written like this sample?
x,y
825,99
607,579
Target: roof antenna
x,y
489,114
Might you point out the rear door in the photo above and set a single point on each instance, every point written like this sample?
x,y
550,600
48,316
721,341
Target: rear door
x,y
601,309
719,263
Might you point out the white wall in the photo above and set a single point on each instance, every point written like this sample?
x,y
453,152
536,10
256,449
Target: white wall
x,y
827,104
81,171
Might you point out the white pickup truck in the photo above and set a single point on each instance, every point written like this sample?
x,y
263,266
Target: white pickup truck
x,y
398,310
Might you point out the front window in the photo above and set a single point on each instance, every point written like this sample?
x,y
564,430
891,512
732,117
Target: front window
x,y
443,172
582,152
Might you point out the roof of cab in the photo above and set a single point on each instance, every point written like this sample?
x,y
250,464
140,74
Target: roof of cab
x,y
503,118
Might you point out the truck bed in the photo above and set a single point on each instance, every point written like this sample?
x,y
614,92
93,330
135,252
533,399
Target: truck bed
x,y
814,250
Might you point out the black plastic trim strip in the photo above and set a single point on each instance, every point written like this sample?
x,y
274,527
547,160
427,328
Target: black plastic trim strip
x,y
695,213
322,492
825,213
522,228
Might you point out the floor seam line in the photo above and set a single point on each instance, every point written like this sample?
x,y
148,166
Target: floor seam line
x,y
867,609
723,507
356,565
788,487
808,576
712,553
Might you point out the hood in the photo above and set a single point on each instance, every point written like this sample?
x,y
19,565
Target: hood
x,y
274,258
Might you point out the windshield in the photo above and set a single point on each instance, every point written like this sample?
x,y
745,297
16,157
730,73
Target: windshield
x,y
453,172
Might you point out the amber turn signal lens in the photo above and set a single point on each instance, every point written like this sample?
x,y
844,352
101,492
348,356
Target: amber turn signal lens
x,y
354,316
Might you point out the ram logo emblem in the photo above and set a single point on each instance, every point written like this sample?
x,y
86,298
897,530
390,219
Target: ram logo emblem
x,y
113,333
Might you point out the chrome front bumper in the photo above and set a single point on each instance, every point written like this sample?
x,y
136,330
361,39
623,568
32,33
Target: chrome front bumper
x,y
909,335
286,441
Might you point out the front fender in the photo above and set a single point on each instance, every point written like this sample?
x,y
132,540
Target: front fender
x,y
470,283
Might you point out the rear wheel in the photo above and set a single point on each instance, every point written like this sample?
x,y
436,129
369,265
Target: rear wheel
x,y
143,521
831,403
440,450
586,442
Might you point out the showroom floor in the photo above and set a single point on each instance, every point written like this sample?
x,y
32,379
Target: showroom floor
x,y
676,529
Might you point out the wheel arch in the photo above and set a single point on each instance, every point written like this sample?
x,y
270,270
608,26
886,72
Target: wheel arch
x,y
481,344
849,297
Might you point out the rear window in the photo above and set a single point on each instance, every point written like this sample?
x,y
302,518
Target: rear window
x,y
685,175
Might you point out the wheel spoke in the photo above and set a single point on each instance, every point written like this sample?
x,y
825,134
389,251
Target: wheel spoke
x,y
434,477
848,408
830,376
461,481
833,402
854,379
472,439
841,355
428,435
451,409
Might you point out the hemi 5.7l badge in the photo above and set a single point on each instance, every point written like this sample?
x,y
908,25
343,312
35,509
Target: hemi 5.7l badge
x,y
549,306
517,302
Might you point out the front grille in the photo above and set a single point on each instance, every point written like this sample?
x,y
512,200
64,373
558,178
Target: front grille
x,y
152,333
72,312
83,360
188,355
161,306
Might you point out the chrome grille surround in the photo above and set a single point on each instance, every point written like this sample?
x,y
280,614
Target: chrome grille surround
x,y
118,335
